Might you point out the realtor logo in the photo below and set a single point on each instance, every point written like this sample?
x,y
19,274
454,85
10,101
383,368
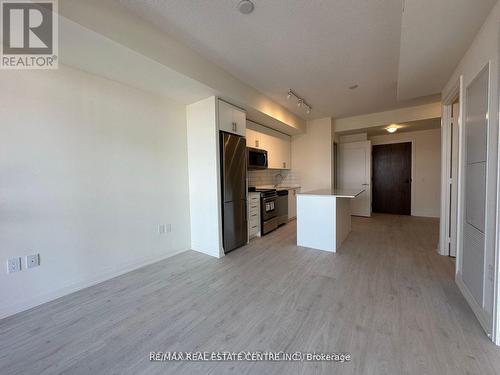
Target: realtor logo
x,y
29,34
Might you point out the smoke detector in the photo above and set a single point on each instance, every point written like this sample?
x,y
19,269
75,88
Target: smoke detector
x,y
245,6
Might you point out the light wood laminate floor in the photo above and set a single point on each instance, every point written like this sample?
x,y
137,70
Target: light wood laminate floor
x,y
386,297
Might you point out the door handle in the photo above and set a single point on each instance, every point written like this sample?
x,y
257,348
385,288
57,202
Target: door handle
x,y
366,184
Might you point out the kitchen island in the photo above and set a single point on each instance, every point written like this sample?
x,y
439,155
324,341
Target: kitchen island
x,y
324,218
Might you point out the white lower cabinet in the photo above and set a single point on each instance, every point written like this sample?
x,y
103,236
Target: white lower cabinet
x,y
253,215
292,203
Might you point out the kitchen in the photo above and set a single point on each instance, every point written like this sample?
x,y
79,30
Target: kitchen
x,y
264,183
224,214
260,193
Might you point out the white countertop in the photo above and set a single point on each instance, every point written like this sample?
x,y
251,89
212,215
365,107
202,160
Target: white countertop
x,y
279,187
339,193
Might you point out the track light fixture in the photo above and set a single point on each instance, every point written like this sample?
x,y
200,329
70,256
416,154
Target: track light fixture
x,y
300,101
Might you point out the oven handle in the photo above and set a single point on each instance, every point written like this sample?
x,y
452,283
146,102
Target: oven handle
x,y
269,199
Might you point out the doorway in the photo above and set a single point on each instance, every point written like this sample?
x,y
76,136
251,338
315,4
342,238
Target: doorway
x,y
392,178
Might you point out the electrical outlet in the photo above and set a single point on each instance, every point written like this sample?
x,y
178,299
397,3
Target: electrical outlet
x,y
32,260
164,228
14,265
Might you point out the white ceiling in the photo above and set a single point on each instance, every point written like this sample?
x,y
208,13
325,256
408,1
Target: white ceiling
x,y
435,35
318,48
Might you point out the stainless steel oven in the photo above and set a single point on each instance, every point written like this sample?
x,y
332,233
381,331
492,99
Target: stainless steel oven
x,y
257,158
269,211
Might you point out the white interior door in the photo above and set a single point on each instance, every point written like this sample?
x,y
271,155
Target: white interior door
x,y
476,138
355,173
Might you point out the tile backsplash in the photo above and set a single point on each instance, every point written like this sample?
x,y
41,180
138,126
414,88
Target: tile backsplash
x,y
272,177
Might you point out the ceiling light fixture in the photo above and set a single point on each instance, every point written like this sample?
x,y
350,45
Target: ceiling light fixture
x,y
300,101
392,128
246,7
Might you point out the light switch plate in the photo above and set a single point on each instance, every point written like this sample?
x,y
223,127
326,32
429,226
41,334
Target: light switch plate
x,y
14,265
32,260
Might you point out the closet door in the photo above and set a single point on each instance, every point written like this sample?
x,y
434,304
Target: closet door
x,y
476,131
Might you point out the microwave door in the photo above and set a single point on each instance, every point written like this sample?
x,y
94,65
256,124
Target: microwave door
x,y
257,159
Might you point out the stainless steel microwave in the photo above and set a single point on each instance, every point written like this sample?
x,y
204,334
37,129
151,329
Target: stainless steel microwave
x,y
257,158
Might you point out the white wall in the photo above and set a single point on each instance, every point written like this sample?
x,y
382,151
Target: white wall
x,y
89,169
359,137
312,154
204,177
483,50
397,116
426,168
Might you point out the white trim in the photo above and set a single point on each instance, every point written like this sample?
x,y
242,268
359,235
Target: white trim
x,y
496,278
76,285
460,177
478,310
445,198
487,233
219,174
444,225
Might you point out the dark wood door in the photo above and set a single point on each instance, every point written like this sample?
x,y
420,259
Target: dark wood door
x,y
391,190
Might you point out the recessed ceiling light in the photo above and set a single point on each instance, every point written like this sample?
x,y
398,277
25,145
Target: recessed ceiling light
x,y
245,6
353,87
392,128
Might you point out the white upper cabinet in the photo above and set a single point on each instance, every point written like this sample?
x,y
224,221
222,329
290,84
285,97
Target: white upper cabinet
x,y
280,156
255,139
277,145
231,119
251,137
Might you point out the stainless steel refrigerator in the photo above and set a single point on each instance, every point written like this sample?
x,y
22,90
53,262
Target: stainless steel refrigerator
x,y
233,160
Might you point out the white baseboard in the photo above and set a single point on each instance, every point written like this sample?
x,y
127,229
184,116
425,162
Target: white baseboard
x,y
75,286
478,311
